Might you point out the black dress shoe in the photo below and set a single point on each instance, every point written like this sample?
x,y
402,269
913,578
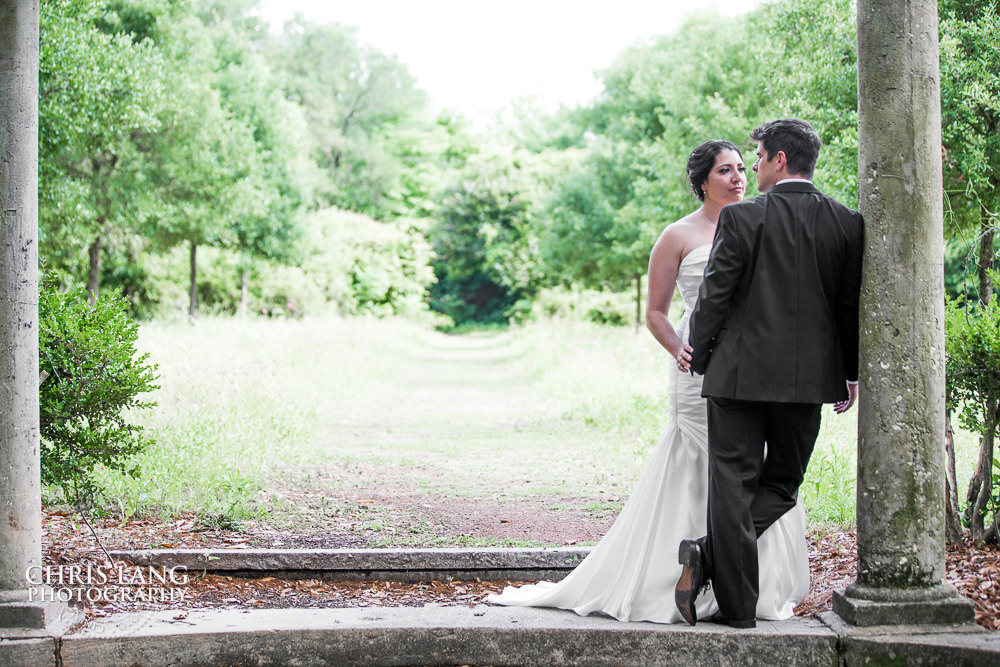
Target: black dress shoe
x,y
742,623
692,581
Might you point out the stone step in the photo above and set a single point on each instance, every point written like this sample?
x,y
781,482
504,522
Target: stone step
x,y
486,635
361,564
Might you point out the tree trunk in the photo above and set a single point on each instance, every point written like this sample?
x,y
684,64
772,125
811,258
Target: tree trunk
x,y
193,291
986,263
638,301
244,293
94,271
20,485
981,484
953,521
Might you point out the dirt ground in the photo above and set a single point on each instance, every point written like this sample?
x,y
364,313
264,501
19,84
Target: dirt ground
x,y
68,540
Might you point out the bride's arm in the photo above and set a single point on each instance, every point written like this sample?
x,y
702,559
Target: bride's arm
x,y
664,260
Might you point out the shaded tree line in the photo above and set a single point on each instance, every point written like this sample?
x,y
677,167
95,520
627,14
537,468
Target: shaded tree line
x,y
184,136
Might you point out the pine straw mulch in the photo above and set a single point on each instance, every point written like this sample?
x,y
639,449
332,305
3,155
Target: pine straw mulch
x,y
974,571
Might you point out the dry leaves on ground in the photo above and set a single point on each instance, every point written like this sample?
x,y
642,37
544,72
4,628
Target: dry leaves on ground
x,y
974,571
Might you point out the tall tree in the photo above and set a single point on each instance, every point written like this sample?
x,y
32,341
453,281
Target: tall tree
x,y
970,87
282,177
807,67
203,163
361,106
98,93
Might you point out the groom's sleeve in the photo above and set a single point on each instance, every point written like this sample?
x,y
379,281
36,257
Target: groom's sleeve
x,y
722,276
847,301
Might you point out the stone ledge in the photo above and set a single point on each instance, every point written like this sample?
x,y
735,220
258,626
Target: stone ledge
x,y
386,564
940,605
434,636
21,652
486,635
960,644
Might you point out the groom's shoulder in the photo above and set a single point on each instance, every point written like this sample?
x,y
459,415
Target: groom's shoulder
x,y
837,204
747,205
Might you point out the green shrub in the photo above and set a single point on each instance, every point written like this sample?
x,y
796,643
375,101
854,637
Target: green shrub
x,y
367,267
599,307
973,391
90,375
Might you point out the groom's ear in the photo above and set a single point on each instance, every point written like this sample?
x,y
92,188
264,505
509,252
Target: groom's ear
x,y
780,161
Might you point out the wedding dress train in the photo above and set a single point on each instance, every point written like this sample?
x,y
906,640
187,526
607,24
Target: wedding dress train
x,y
631,573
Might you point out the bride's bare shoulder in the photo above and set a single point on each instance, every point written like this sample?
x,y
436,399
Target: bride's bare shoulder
x,y
680,233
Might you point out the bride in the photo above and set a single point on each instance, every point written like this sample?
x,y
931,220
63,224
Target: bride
x,y
631,573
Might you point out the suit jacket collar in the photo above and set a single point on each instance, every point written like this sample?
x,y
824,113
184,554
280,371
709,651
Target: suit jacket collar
x,y
793,186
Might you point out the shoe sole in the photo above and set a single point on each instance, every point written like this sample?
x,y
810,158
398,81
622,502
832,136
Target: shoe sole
x,y
689,556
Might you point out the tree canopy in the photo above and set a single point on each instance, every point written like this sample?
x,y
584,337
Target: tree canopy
x,y
186,148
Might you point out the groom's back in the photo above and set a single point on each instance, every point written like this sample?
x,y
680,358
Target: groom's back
x,y
795,319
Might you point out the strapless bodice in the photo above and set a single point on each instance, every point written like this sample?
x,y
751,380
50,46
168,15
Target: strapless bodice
x,y
689,277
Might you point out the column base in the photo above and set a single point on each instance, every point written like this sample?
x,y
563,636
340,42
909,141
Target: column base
x,y
25,619
939,605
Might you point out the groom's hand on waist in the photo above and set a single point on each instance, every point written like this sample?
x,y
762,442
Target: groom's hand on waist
x,y
852,395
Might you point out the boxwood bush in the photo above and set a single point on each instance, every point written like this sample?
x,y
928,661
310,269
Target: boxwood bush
x,y
90,376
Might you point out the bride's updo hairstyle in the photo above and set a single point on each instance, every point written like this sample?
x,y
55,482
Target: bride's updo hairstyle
x,y
701,161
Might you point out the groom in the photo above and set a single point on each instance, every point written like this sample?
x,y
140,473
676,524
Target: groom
x,y
775,333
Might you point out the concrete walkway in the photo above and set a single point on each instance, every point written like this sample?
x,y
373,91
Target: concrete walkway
x,y
484,635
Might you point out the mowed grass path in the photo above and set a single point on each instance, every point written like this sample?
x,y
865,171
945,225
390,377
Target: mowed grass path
x,y
300,425
287,422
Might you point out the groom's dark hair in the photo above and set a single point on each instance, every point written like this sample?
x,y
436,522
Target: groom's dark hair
x,y
796,138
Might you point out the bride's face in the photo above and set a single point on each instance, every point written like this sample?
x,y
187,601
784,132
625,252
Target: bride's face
x,y
727,181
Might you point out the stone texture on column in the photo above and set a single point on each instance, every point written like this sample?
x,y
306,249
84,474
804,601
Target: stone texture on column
x,y
900,510
20,486
20,495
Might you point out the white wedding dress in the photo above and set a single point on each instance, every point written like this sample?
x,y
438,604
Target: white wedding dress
x,y
630,575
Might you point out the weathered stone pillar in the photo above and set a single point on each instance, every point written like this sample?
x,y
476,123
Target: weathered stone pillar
x,y
900,510
20,495
20,486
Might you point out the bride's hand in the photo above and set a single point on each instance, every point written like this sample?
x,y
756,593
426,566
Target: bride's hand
x,y
683,359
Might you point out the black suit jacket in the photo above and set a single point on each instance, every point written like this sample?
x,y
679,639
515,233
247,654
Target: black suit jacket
x,y
777,313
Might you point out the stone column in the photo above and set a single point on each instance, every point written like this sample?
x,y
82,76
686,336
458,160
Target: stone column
x,y
20,495
900,504
20,486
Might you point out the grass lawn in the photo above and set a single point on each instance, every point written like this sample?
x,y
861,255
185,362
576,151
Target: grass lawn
x,y
267,419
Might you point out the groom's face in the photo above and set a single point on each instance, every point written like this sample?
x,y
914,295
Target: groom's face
x,y
764,167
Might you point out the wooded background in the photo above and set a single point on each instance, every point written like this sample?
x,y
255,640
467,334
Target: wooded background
x,y
191,159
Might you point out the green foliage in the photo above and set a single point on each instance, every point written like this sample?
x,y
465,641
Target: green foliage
x,y
970,73
91,376
973,390
600,307
363,108
809,69
98,93
970,111
169,126
962,267
364,266
485,250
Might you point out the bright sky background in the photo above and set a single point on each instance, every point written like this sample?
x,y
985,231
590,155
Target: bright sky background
x,y
476,56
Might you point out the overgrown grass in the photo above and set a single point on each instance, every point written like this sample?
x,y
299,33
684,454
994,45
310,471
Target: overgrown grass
x,y
829,489
263,418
